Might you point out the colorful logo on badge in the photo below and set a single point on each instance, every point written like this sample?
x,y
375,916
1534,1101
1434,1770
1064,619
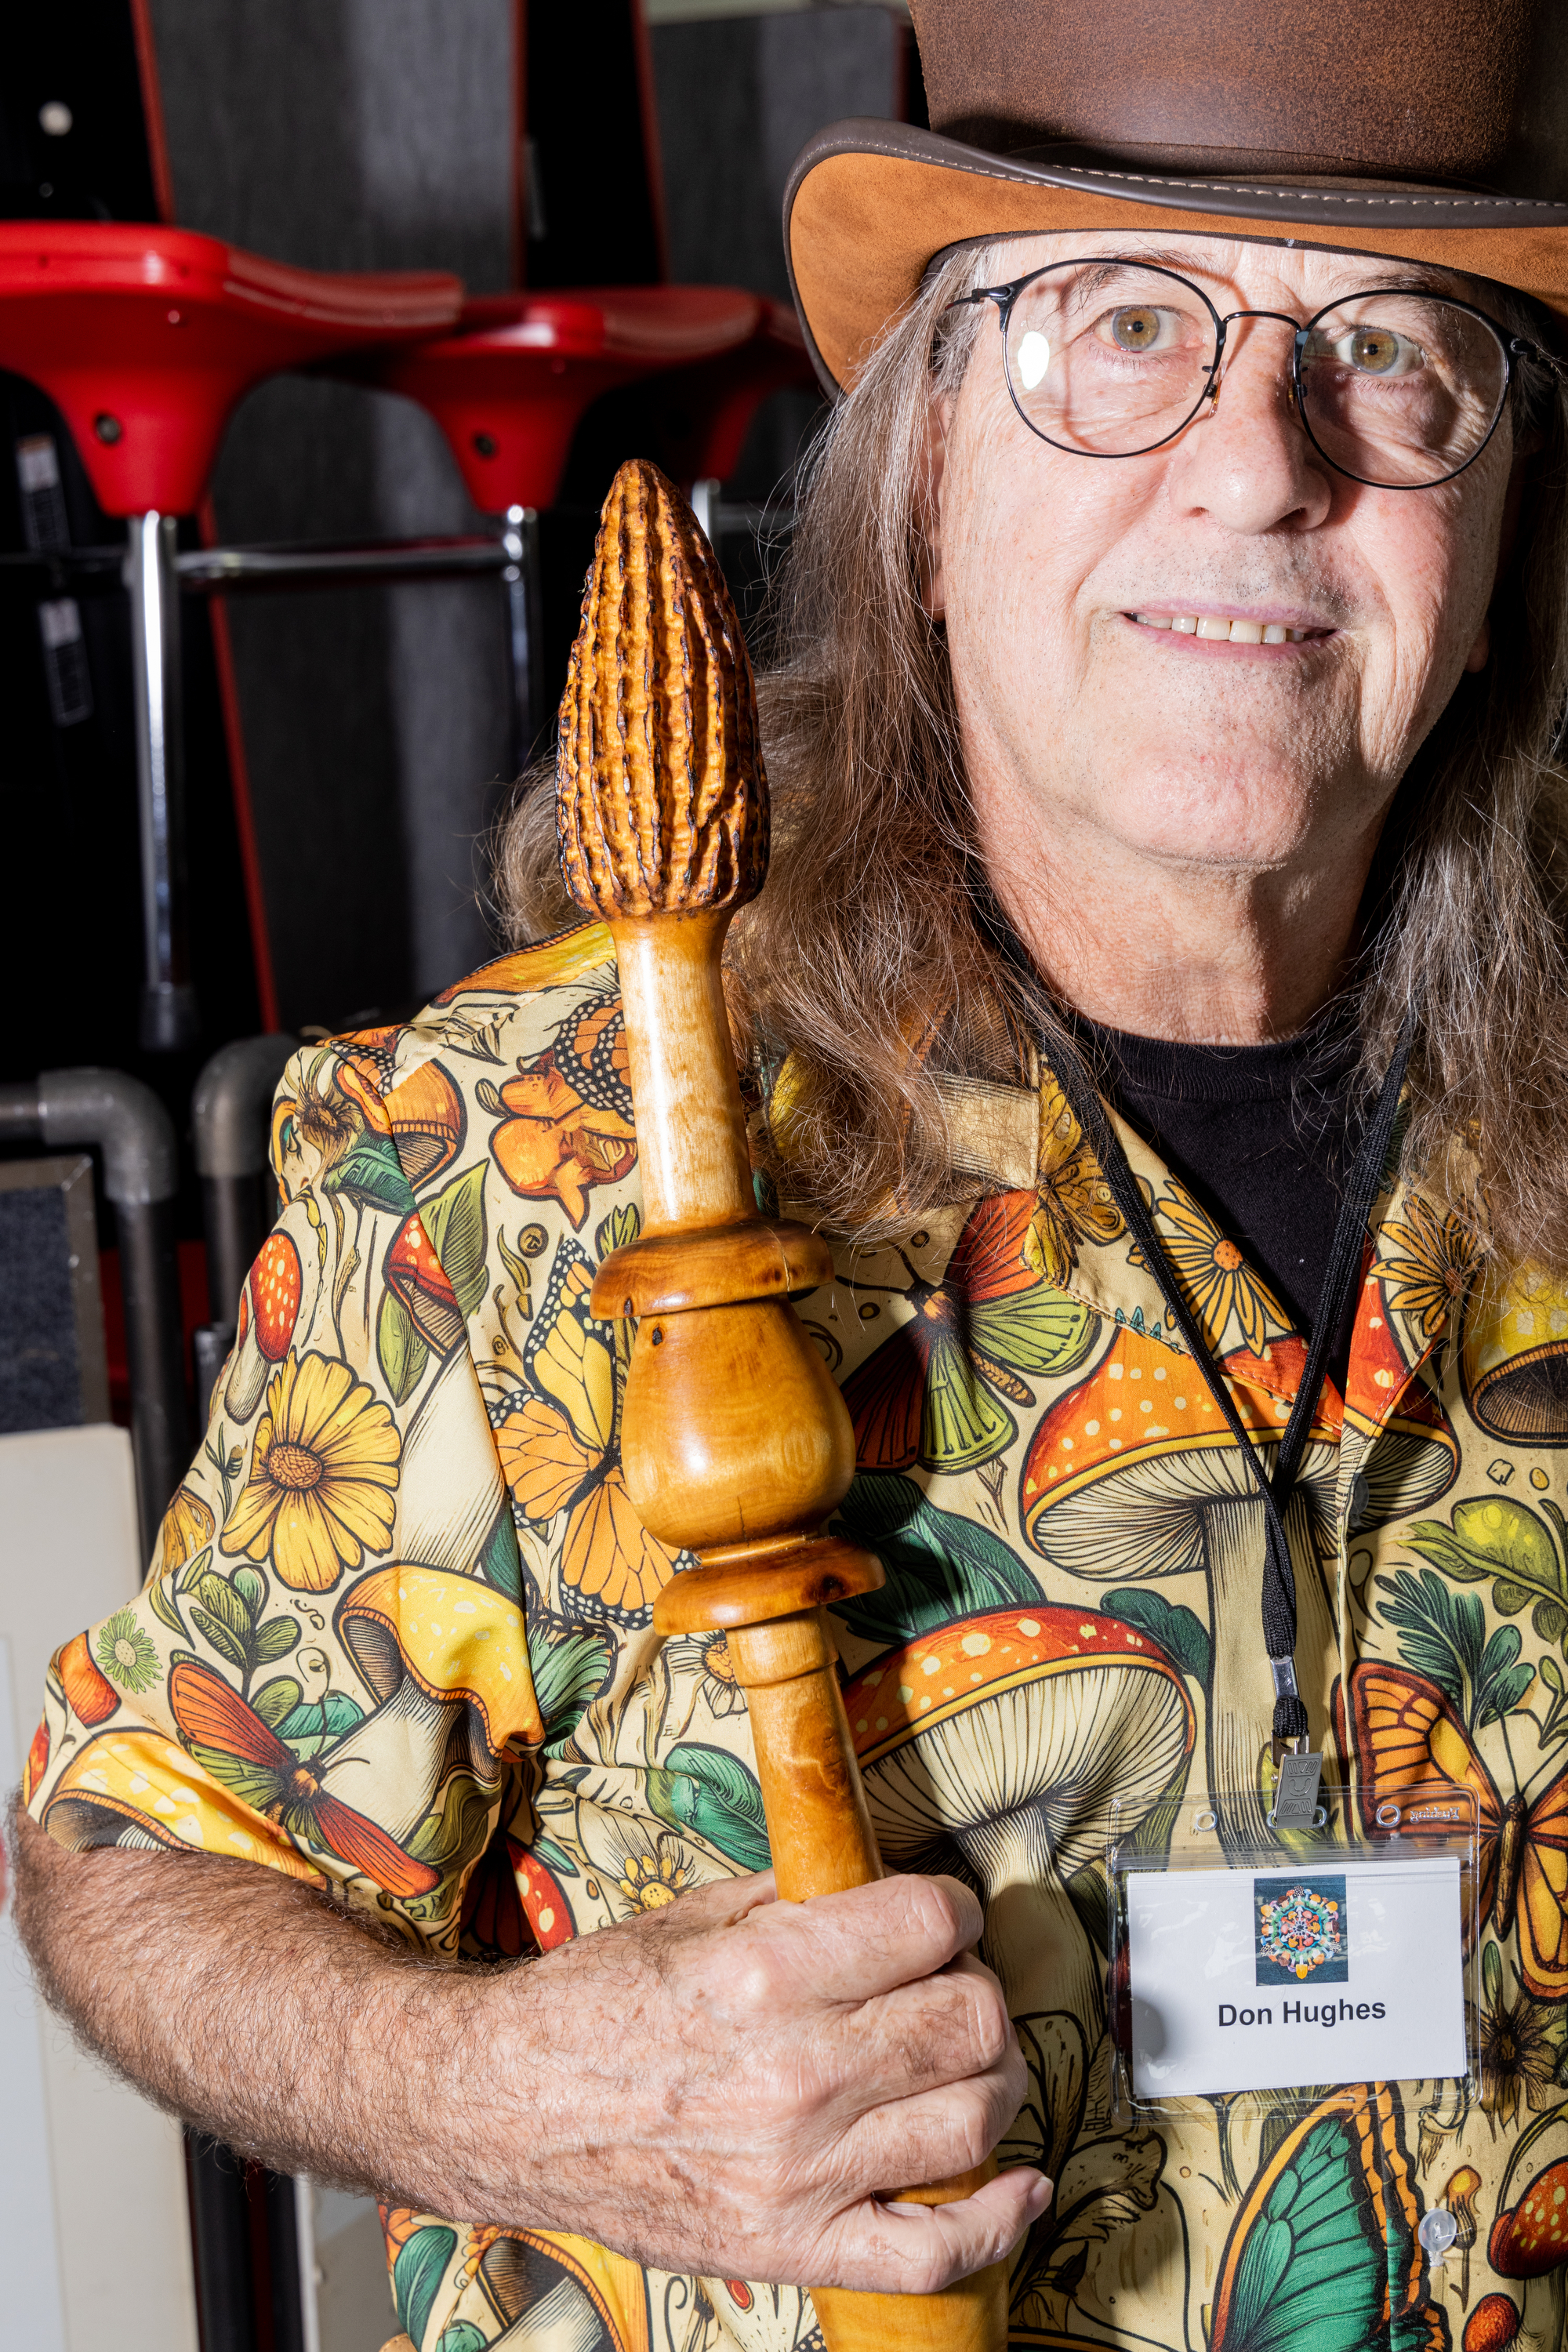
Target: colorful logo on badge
x,y
1300,1929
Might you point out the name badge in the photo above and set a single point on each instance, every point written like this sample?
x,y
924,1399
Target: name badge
x,y
1262,1980
1291,1961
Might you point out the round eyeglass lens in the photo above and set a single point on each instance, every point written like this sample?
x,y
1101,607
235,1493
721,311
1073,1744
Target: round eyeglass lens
x,y
1109,357
1401,390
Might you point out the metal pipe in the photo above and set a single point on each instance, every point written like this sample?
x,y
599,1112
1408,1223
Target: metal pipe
x,y
168,1014
215,569
135,1135
230,1121
520,541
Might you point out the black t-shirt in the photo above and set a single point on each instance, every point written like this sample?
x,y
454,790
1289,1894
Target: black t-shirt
x,y
1258,1135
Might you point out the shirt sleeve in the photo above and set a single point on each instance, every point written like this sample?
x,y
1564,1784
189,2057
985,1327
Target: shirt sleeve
x,y
327,1669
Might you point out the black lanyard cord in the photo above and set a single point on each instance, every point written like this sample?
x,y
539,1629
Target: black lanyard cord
x,y
1342,1273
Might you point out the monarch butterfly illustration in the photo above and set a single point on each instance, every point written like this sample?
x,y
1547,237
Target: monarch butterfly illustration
x,y
560,1449
1407,1734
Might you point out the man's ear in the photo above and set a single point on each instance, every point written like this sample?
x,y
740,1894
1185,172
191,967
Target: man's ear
x,y
934,594
1508,540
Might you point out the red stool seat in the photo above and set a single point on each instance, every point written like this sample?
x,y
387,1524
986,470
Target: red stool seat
x,y
509,389
705,412
146,337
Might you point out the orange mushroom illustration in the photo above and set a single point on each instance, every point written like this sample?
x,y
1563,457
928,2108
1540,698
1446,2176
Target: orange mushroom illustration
x,y
445,1662
1134,1474
416,1277
141,1790
1006,1737
269,1310
1528,2243
567,1115
424,1113
1411,1454
1515,1357
92,1696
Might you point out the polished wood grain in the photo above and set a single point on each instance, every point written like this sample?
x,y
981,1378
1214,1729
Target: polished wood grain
x,y
735,1442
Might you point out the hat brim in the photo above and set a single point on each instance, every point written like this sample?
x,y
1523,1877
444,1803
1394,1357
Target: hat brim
x,y
869,203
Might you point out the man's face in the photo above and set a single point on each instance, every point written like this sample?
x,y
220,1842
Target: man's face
x,y
1123,736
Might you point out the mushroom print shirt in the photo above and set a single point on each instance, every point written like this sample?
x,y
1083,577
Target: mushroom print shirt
x,y
397,1642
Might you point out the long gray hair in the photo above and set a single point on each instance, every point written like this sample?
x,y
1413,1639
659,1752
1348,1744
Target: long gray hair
x,y
863,969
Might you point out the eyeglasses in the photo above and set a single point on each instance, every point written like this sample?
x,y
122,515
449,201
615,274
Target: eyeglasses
x,y
1111,358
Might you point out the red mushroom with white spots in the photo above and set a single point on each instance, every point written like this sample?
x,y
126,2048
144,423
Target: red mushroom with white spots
x,y
1135,1474
1528,2243
269,1310
416,1279
1006,1737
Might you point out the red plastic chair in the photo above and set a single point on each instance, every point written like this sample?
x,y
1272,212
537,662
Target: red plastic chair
x,y
509,389
146,339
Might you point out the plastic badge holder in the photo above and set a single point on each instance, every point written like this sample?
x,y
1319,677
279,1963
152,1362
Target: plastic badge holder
x,y
1246,1957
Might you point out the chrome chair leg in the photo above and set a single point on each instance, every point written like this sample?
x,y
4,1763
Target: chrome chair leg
x,y
520,541
168,1020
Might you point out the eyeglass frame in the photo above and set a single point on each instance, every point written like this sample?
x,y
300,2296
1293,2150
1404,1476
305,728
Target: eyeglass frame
x,y
1513,347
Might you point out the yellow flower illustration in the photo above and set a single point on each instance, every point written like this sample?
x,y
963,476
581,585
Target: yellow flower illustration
x,y
1075,1202
1215,1276
1433,1258
322,1472
649,1881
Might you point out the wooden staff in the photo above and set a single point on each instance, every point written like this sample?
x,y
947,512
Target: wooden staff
x,y
735,1442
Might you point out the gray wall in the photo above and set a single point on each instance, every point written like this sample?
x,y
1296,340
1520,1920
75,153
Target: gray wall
x,y
355,134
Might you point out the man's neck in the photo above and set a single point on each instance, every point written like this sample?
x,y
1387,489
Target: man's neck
x,y
1164,948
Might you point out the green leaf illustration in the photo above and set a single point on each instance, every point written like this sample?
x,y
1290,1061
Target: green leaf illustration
x,y
276,1700
616,1231
275,1639
462,2335
417,2276
454,1219
371,1173
228,1646
310,1728
216,1597
459,1831
1179,1632
568,1668
161,1593
555,1857
710,1792
401,1353
250,1589
499,1562
938,1565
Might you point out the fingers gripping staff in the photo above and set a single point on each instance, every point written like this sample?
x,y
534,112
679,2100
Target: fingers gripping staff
x,y
735,1442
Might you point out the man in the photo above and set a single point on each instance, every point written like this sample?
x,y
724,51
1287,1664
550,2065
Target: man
x,y
1168,693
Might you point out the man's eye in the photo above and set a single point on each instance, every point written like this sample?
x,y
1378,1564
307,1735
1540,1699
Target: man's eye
x,y
1136,329
1377,350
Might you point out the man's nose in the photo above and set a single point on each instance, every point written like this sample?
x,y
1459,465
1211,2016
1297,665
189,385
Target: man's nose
x,y
1245,459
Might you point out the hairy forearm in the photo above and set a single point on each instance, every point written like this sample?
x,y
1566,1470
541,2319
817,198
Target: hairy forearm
x,y
722,2087
256,2008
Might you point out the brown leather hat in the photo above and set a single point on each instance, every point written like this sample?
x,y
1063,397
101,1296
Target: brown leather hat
x,y
1435,129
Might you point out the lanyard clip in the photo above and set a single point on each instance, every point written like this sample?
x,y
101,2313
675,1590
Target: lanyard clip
x,y
1298,1775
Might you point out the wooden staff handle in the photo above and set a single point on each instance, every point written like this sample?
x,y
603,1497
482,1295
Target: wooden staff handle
x,y
735,1442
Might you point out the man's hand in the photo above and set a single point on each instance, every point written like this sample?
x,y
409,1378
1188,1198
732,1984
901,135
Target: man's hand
x,y
730,2087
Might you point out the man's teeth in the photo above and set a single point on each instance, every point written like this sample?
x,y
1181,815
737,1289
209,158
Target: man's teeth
x,y
1215,625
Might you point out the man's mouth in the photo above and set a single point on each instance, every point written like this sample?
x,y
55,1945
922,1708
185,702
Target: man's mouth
x,y
1229,628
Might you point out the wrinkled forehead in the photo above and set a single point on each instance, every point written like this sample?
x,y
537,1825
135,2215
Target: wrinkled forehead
x,y
1270,271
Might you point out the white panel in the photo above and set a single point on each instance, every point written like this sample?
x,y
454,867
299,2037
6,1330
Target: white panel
x,y
68,1555
354,2300
30,2254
